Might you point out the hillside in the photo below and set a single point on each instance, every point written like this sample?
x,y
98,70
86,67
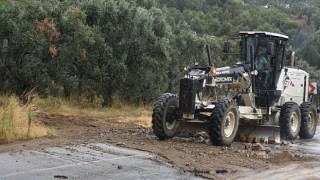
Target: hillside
x,y
135,49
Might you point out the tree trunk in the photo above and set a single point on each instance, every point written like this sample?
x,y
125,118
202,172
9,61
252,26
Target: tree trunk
x,y
107,100
66,90
309,19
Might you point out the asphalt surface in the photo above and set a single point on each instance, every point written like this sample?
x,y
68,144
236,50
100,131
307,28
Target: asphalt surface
x,y
91,161
309,145
295,171
105,161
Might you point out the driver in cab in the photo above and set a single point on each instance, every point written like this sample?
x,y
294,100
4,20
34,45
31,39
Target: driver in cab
x,y
262,67
261,62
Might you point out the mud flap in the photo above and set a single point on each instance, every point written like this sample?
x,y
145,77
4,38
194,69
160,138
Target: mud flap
x,y
261,134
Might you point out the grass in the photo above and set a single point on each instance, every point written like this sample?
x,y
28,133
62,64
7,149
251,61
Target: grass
x,y
30,121
17,121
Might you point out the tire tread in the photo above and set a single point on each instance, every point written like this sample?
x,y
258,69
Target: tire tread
x,y
158,115
215,123
305,132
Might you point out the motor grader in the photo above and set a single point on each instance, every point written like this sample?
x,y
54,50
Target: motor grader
x,y
269,102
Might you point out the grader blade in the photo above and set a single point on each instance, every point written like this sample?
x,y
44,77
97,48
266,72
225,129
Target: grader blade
x,y
191,128
259,134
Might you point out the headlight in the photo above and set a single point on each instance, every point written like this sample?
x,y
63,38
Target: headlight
x,y
213,70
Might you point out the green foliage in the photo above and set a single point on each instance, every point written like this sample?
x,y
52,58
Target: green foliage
x,y
312,70
311,52
134,49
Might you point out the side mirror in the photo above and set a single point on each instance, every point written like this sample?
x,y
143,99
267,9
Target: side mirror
x,y
226,47
270,48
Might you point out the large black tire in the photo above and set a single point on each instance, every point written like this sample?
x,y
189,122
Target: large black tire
x,y
314,99
224,122
290,121
308,120
164,117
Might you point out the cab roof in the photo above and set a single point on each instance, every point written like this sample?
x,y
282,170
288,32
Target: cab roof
x,y
263,33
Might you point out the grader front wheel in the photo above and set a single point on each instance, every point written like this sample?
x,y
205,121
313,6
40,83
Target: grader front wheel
x,y
164,118
224,122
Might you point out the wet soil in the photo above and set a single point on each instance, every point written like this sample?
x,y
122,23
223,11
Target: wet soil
x,y
193,154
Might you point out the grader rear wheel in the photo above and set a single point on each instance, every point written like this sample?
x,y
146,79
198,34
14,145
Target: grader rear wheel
x,y
290,121
308,120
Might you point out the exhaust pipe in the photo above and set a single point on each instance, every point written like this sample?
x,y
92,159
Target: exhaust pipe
x,y
209,55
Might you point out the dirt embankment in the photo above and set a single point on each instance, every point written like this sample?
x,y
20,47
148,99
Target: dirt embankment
x,y
194,154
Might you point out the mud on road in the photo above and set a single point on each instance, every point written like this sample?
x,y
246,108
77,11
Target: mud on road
x,y
194,154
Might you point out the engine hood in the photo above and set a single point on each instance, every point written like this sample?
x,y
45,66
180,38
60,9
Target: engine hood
x,y
234,69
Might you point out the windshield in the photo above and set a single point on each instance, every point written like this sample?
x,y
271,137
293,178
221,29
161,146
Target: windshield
x,y
259,44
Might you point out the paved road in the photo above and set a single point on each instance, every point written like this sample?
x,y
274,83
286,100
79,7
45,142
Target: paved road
x,y
93,161
310,145
103,161
298,170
